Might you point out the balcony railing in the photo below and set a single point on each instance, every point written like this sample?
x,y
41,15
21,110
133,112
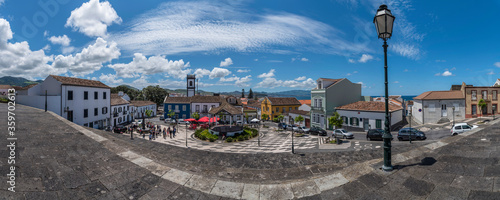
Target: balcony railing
x,y
115,114
125,112
317,108
204,111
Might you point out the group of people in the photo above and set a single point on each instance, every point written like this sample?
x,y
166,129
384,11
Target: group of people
x,y
155,131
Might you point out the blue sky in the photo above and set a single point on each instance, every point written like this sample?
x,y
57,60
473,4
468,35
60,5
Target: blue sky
x,y
263,45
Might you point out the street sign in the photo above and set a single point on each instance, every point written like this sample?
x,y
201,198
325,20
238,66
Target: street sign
x,y
419,110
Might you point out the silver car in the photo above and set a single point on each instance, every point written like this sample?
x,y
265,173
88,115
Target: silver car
x,y
343,134
303,129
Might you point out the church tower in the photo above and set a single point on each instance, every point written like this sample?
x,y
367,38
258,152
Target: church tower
x,y
191,87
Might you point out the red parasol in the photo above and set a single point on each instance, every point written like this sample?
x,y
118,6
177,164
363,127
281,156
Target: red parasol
x,y
203,119
190,120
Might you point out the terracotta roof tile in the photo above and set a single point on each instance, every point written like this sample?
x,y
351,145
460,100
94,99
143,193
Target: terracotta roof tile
x,y
29,86
141,103
117,100
436,95
207,99
79,82
369,106
279,101
5,87
177,100
308,102
226,107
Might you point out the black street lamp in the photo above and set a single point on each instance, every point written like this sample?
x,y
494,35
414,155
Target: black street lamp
x,y
453,109
293,148
384,21
411,131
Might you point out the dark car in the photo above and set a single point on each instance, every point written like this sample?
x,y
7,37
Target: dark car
x,y
317,131
374,134
405,133
120,129
282,125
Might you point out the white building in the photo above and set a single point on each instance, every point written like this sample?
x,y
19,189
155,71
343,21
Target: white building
x,y
138,109
369,114
291,115
436,106
84,102
203,104
120,110
306,105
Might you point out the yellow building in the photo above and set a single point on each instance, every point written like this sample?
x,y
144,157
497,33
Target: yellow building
x,y
275,106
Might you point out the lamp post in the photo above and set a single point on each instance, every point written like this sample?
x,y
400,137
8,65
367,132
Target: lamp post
x,y
293,148
258,135
411,131
186,134
384,21
453,113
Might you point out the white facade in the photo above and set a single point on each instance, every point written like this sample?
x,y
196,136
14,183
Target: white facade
x,y
120,114
431,111
369,119
33,91
140,111
203,108
92,111
290,119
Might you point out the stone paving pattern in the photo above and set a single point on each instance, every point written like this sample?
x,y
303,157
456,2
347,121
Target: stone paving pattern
x,y
55,161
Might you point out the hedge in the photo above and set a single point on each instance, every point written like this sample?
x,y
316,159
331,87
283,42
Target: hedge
x,y
204,134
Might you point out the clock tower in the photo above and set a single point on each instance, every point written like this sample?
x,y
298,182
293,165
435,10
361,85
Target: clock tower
x,y
191,87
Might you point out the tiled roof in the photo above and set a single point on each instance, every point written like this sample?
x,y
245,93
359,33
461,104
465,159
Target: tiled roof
x,y
177,100
79,82
436,95
226,107
141,103
299,112
329,79
369,106
29,86
280,101
254,103
117,100
5,87
308,102
207,99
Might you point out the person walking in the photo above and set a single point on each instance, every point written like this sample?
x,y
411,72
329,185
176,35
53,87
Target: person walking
x,y
174,131
164,133
170,132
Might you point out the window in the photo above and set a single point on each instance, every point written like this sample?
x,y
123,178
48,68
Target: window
x,y
494,95
120,120
119,109
184,116
85,95
277,109
103,95
96,95
289,108
70,95
86,125
296,108
205,108
474,109
169,107
96,111
484,94
315,102
319,84
283,109
104,110
378,123
85,113
190,83
197,108
184,108
494,108
473,95
314,118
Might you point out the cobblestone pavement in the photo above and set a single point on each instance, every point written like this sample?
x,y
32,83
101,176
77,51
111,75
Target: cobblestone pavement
x,y
59,160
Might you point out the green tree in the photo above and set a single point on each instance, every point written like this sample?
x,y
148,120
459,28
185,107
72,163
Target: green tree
x,y
196,115
148,113
264,116
246,117
250,94
155,94
335,120
242,93
281,117
299,119
482,104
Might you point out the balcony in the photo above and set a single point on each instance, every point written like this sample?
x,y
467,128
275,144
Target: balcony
x,y
115,114
204,111
318,109
125,112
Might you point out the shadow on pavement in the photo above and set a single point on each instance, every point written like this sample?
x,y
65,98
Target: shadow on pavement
x,y
427,161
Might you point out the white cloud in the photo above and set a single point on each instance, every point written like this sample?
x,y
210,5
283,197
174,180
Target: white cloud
x,y
232,78
406,70
200,73
348,74
219,73
194,26
445,73
396,81
309,83
152,65
256,60
407,50
18,60
243,70
90,59
355,72
497,64
226,62
269,83
93,18
67,50
267,75
300,78
365,58
351,61
61,40
362,84
110,79
244,81
491,73
46,48
304,59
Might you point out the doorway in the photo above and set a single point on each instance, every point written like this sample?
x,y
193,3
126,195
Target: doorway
x,y
70,116
366,124
444,112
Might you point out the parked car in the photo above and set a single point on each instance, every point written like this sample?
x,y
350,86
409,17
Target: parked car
x,y
461,127
119,129
282,125
295,128
303,129
162,117
181,121
405,133
374,134
317,131
343,134
291,127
